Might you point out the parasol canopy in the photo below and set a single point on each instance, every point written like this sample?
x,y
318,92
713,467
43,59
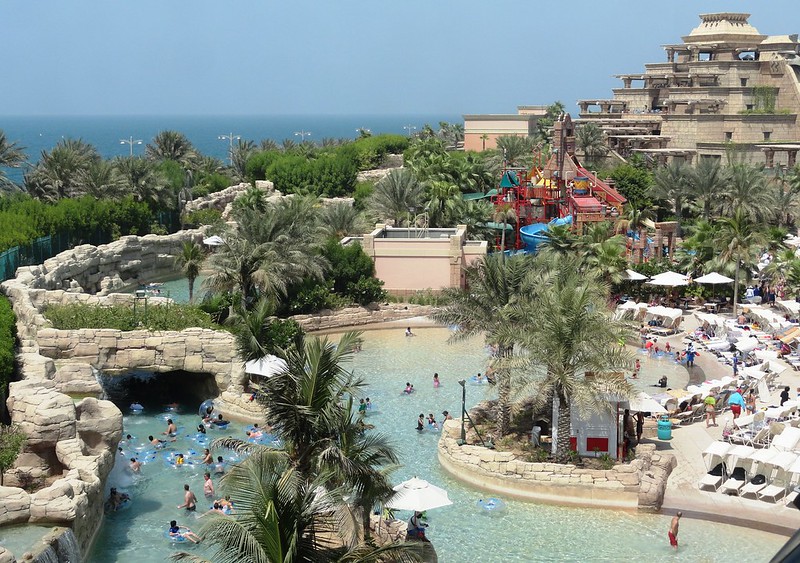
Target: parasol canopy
x,y
669,279
417,494
713,278
634,276
643,402
266,366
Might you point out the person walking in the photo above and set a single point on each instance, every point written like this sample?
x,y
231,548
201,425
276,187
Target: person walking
x,y
736,402
711,410
673,530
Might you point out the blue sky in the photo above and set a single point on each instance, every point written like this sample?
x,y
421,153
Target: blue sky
x,y
236,57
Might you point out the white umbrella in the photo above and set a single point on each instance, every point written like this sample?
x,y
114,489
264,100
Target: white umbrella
x,y
643,402
628,305
213,241
634,276
713,278
670,279
417,494
266,366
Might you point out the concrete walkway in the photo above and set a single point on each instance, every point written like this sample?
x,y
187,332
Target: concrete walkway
x,y
687,445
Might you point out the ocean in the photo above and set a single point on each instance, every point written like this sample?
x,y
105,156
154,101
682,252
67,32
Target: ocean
x,y
41,133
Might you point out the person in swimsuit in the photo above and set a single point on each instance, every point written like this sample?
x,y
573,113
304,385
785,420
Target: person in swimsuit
x,y
369,404
362,408
409,388
201,428
219,468
183,532
436,382
432,421
673,530
421,422
637,366
208,459
189,500
409,333
135,465
208,485
447,415
156,442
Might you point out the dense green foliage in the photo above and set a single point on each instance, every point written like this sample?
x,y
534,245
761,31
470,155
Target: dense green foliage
x,y
11,441
633,182
122,317
7,344
202,217
24,219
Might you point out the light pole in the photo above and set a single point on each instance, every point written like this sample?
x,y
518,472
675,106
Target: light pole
x,y
230,137
302,134
364,132
130,141
463,383
409,128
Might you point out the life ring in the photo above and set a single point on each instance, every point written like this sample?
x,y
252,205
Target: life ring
x,y
174,539
491,504
204,411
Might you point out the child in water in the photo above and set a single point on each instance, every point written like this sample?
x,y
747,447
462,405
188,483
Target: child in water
x,y
409,388
421,422
369,404
362,407
432,421
436,380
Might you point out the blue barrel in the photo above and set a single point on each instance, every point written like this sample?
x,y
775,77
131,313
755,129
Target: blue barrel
x,y
664,429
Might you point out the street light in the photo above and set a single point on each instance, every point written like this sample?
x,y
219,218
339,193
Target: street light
x,y
230,137
130,141
409,128
302,134
463,383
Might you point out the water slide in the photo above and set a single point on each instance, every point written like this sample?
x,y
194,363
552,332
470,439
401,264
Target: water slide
x,y
533,235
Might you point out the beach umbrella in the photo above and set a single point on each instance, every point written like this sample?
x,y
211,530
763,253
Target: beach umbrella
x,y
634,276
417,494
213,241
713,278
669,279
267,366
643,402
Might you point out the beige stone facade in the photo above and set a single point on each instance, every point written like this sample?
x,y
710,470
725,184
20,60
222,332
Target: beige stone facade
x,y
482,130
709,97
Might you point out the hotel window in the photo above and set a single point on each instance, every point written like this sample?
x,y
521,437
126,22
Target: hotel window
x,y
728,135
767,135
744,81
748,107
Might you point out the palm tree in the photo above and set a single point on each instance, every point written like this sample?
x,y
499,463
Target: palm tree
x,y
560,240
494,286
784,196
101,180
484,138
708,181
515,150
11,156
739,241
439,193
396,196
190,260
504,213
747,191
608,259
171,145
337,220
268,145
572,337
590,139
253,199
59,172
241,151
671,183
141,179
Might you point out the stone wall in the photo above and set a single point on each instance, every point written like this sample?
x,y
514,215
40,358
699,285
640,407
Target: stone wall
x,y
219,200
357,316
636,485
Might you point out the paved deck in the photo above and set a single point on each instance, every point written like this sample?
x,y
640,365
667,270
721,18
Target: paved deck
x,y
689,441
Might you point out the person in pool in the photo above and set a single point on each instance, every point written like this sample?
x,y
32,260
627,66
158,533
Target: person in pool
x,y
156,442
219,467
253,434
408,332
189,500
136,407
171,430
135,465
219,421
421,422
226,504
409,388
362,407
179,460
432,421
208,485
447,415
201,428
215,509
182,532
115,499
436,382
369,404
208,459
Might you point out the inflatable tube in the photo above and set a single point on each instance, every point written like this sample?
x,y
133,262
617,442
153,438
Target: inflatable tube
x,y
136,408
474,380
174,539
203,410
170,409
222,426
491,505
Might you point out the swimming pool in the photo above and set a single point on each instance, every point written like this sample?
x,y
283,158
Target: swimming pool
x,y
462,532
176,289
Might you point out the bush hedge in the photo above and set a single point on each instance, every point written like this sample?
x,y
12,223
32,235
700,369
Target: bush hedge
x,y
8,332
122,317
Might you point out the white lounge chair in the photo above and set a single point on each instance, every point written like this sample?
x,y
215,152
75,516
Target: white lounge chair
x,y
759,461
787,440
778,480
713,455
736,459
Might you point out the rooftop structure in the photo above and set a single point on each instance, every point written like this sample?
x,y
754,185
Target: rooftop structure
x,y
481,130
725,87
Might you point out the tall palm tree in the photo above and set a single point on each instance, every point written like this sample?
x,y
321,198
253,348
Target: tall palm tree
x,y
102,180
573,347
784,196
397,196
171,145
142,180
190,261
59,172
253,199
590,139
494,286
503,214
241,151
11,156
560,240
338,220
671,184
747,191
439,193
608,258
708,181
739,241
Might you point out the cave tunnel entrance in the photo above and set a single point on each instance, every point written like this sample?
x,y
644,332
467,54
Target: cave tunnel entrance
x,y
155,390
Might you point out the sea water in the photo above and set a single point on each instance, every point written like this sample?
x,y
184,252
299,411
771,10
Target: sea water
x,y
463,532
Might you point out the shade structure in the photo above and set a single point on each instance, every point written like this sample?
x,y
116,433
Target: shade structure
x,y
713,278
213,241
418,494
643,402
628,305
266,366
669,279
634,276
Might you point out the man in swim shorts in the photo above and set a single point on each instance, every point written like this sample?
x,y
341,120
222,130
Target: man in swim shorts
x,y
189,500
208,485
673,530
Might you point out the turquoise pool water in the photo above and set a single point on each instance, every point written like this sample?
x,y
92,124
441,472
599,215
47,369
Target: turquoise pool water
x,y
177,289
523,532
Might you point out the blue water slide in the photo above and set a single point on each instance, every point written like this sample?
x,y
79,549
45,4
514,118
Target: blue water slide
x,y
533,235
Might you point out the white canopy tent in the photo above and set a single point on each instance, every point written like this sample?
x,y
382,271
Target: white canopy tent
x,y
266,366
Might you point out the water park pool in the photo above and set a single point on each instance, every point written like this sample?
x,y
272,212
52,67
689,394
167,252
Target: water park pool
x,y
462,532
175,289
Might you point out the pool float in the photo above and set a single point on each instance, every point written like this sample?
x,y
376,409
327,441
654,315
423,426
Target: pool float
x,y
221,426
204,406
136,408
491,504
170,409
475,381
174,539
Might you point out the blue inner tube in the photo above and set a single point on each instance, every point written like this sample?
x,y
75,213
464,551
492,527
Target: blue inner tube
x,y
203,410
136,408
491,504
174,539
474,380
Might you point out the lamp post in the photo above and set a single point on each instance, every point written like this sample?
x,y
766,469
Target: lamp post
x,y
130,141
463,383
230,137
302,134
409,129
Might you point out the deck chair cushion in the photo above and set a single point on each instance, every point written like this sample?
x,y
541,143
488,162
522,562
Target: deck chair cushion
x,y
758,479
718,470
738,474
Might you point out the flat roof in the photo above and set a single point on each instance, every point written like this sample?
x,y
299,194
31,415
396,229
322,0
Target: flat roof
x,y
497,116
781,147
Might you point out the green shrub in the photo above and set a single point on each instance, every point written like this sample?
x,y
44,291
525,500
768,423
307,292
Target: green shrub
x,y
123,317
8,332
312,296
210,183
368,152
217,305
12,439
202,217
366,291
361,194
257,165
281,333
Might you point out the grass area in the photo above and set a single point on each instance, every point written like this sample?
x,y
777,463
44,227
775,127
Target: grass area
x,y
122,317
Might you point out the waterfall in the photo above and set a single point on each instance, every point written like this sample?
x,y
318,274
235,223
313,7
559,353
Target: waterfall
x,y
60,546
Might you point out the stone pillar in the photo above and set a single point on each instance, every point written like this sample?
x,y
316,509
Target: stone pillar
x,y
770,157
671,55
626,82
605,107
792,155
584,106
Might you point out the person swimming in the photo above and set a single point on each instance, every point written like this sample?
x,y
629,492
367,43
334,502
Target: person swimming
x,y
436,382
432,421
219,421
182,532
409,388
208,459
156,442
201,428
135,465
179,460
369,404
171,430
362,407
219,467
421,422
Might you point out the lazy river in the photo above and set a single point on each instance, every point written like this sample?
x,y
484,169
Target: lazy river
x,y
463,532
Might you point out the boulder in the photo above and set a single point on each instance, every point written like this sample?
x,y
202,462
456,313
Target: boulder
x,y
45,415
99,418
15,506
77,378
54,504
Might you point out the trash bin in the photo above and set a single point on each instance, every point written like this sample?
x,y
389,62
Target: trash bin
x,y
664,428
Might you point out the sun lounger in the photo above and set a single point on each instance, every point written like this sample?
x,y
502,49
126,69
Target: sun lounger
x,y
787,440
714,457
736,459
750,438
759,466
779,481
